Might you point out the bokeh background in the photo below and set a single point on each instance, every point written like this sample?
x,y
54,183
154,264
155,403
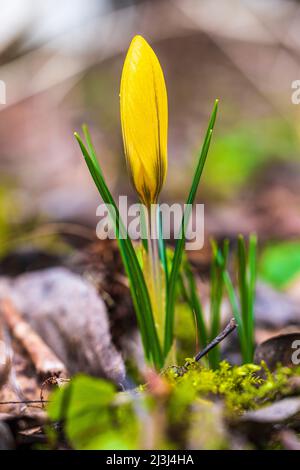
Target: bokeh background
x,y
61,62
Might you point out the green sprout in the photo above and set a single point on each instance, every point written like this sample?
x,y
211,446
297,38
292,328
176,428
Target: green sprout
x,y
241,298
152,278
242,303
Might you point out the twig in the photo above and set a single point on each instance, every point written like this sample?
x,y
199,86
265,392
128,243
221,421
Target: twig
x,y
227,330
43,358
23,402
5,356
53,380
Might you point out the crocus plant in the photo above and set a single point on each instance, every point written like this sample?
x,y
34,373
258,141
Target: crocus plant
x,y
144,119
153,281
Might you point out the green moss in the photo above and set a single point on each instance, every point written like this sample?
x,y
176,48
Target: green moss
x,y
182,408
199,393
240,387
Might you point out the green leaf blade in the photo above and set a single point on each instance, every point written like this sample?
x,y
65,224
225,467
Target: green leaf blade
x,y
170,309
137,283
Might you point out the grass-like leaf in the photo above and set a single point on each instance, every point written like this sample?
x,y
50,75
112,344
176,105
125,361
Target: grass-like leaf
x,y
162,248
91,149
216,296
243,307
170,309
242,283
138,287
251,290
194,302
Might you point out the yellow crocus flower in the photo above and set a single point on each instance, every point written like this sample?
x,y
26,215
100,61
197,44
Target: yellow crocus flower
x,y
144,119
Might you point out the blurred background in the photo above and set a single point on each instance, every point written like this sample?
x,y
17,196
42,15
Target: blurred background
x,y
61,62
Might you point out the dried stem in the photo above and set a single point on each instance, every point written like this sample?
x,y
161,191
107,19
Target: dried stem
x,y
23,402
227,330
230,327
43,358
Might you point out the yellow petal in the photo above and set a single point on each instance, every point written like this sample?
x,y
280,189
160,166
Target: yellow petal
x,y
144,119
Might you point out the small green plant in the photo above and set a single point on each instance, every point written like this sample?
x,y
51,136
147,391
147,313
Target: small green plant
x,y
242,304
93,415
241,298
144,119
207,333
247,280
154,278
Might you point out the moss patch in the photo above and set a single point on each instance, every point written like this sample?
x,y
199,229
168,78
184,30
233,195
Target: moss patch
x,y
171,406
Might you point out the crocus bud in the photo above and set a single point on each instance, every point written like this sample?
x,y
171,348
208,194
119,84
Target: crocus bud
x,y
144,119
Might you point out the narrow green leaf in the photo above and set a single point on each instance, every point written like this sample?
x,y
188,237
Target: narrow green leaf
x,y
217,290
162,248
233,302
236,313
242,282
137,283
251,290
196,306
91,148
170,309
144,228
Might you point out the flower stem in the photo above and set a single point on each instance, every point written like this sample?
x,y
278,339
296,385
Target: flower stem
x,y
155,279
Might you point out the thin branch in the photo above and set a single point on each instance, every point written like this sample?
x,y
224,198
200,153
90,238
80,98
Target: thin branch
x,y
43,358
217,340
23,402
227,330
